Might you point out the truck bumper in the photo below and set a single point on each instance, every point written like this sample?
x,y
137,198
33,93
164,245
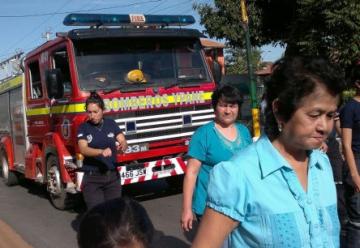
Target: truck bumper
x,y
141,172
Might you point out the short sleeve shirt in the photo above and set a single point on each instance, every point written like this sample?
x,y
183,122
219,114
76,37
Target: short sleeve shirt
x,y
260,190
350,118
210,147
100,137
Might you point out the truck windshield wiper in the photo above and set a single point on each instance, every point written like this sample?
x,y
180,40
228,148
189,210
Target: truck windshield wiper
x,y
187,79
131,87
172,85
180,82
111,90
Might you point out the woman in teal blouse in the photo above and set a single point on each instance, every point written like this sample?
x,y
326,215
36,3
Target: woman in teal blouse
x,y
279,192
212,143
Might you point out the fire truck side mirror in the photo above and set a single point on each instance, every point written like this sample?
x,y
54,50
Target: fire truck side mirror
x,y
54,83
217,72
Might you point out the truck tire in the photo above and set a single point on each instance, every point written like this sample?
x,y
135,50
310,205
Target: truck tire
x,y
59,198
9,177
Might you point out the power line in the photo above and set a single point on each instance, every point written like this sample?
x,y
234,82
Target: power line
x,y
82,10
61,27
29,48
84,5
182,10
172,6
68,12
33,30
156,6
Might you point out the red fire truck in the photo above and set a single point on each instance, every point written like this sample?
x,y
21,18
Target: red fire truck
x,y
154,79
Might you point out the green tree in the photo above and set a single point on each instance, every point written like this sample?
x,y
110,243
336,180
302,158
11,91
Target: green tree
x,y
236,63
310,27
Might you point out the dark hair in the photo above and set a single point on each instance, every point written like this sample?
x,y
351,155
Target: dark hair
x,y
95,98
355,74
116,223
291,80
226,93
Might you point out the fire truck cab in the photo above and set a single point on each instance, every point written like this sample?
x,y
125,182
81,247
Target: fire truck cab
x,y
153,78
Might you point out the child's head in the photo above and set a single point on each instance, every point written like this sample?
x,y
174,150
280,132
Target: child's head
x,y
121,222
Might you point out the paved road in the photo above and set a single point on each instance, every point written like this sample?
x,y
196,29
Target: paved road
x,y
26,209
9,238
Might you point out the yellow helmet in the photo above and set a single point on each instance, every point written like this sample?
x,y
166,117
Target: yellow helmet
x,y
136,76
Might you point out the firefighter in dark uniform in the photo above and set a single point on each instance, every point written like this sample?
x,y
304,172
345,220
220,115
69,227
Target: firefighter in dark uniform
x,y
99,140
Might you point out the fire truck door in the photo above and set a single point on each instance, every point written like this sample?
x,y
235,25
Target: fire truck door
x,y
18,125
38,117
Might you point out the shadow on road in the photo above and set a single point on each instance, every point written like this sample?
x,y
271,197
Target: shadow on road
x,y
33,188
154,189
141,191
161,241
40,190
146,191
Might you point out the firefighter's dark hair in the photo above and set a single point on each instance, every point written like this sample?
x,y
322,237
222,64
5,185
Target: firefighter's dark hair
x,y
293,79
228,94
121,222
95,98
355,74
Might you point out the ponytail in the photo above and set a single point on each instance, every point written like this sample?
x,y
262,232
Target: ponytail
x,y
96,99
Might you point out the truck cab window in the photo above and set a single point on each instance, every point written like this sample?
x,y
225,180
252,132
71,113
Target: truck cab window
x,y
163,62
35,81
190,64
61,61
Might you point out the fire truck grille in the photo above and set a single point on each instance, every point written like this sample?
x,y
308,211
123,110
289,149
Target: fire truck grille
x,y
165,124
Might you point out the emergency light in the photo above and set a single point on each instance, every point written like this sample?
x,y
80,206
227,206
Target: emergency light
x,y
76,19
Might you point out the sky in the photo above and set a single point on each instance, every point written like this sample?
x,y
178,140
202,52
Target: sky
x,y
24,23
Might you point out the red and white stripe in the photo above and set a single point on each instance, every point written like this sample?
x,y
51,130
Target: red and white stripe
x,y
180,168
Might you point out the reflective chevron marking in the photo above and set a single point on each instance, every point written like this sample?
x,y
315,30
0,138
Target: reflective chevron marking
x,y
179,168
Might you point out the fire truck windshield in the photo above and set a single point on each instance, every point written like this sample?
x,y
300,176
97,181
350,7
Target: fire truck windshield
x,y
104,64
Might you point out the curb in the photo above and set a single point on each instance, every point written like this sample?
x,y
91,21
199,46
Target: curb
x,y
9,238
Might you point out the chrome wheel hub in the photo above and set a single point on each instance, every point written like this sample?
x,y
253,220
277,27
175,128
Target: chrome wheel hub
x,y
54,183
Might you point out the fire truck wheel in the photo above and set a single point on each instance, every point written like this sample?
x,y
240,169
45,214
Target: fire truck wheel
x,y
56,189
10,177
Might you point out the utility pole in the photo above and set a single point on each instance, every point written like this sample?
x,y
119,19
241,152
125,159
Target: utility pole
x,y
254,104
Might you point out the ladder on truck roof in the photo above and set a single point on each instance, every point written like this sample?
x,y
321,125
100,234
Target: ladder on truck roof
x,y
11,67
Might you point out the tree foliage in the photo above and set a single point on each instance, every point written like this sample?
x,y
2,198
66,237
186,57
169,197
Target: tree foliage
x,y
236,62
309,27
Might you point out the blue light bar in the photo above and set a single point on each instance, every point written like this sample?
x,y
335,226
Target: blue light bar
x,y
123,20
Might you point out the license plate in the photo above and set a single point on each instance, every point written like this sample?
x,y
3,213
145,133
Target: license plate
x,y
133,173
